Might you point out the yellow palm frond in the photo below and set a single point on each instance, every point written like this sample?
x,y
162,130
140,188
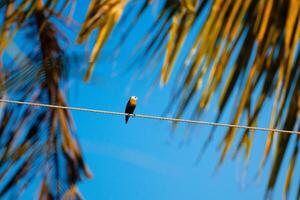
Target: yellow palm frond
x,y
255,42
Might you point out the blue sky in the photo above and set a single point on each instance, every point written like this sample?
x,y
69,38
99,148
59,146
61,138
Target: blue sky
x,y
144,159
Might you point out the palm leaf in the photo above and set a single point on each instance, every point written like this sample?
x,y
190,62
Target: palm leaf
x,y
48,147
102,15
255,41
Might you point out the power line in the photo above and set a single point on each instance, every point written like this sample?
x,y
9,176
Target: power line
x,y
150,117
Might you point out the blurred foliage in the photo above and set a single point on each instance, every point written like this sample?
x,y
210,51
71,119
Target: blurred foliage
x,y
247,50
264,35
37,144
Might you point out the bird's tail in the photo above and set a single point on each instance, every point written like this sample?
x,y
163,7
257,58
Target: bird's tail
x,y
126,119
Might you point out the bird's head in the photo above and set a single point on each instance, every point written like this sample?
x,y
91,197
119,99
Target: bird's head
x,y
134,98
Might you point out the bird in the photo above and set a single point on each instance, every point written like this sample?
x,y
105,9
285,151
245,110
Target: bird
x,y
131,104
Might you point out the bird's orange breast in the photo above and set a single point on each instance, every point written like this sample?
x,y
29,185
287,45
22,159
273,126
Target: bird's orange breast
x,y
133,102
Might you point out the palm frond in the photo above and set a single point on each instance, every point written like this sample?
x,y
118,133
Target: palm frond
x,y
255,42
46,146
102,15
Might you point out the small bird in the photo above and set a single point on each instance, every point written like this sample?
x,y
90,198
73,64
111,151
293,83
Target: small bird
x,y
130,107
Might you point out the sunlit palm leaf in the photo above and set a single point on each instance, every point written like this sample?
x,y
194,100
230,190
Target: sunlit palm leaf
x,y
102,15
256,42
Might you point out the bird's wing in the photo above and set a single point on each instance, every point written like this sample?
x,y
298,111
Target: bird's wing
x,y
128,109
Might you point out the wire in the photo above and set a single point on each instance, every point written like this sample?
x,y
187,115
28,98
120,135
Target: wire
x,y
150,117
